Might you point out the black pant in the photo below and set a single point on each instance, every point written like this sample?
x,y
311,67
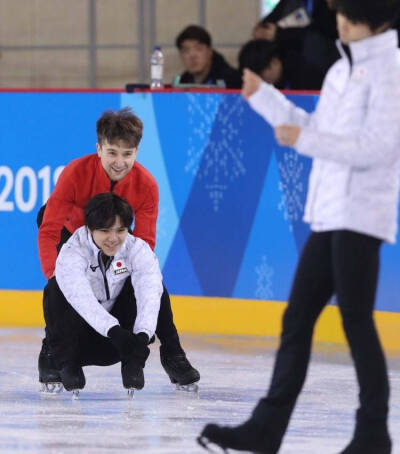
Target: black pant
x,y
346,264
72,340
165,330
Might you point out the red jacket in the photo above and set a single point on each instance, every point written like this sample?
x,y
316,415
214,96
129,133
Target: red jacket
x,y
82,179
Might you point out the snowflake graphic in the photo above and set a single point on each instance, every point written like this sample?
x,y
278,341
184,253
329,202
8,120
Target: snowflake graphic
x,y
201,120
223,156
264,280
291,187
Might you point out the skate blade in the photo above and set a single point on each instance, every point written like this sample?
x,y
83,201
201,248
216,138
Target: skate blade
x,y
205,443
131,392
75,394
190,388
51,388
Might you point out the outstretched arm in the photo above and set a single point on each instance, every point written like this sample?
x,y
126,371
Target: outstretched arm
x,y
270,103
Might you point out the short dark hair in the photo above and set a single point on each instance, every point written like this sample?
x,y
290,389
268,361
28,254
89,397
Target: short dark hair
x,y
122,125
102,209
193,32
374,13
257,55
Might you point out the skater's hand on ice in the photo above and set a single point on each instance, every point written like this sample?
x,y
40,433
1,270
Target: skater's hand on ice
x,y
287,135
251,83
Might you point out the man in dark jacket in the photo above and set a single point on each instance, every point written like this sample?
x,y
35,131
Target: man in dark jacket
x,y
203,65
316,41
285,69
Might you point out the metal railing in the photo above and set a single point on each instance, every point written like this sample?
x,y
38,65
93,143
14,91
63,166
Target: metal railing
x,y
146,11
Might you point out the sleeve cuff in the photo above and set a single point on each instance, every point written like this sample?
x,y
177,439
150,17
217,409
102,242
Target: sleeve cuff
x,y
143,330
304,143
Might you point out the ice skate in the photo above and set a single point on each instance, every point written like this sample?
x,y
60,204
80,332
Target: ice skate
x,y
51,388
368,447
132,376
49,377
181,372
246,437
73,379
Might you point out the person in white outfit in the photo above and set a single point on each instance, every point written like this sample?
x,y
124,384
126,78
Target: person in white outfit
x,y
102,305
352,207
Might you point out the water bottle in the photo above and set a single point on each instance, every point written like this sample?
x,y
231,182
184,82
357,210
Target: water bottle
x,y
156,68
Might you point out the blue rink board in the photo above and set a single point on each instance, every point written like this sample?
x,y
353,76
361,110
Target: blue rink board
x,y
231,200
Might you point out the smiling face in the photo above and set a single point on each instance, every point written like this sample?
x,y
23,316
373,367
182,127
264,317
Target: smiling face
x,y
110,239
352,31
117,159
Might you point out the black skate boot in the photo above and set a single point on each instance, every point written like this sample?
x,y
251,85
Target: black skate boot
x,y
371,436
180,371
360,447
246,437
49,376
132,376
72,378
373,439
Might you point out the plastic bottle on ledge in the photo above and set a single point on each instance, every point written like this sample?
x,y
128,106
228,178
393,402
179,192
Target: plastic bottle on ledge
x,y
156,68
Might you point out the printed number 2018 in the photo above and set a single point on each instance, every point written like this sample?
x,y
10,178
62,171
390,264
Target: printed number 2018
x,y
25,202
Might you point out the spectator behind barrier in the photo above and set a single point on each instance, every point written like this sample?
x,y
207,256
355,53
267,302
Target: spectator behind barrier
x,y
203,65
315,41
285,70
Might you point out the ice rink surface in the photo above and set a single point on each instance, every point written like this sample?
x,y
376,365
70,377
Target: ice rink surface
x,y
159,420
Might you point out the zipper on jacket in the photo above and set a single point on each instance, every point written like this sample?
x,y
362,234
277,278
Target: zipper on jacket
x,y
104,268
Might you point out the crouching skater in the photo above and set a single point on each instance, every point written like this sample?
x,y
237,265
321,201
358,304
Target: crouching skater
x,y
102,305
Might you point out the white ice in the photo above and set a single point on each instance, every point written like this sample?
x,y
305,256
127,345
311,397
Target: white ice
x,y
159,420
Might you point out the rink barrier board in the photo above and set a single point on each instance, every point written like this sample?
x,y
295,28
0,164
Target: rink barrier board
x,y
251,191
208,315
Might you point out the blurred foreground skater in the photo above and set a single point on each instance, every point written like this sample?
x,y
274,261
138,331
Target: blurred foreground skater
x,y
352,205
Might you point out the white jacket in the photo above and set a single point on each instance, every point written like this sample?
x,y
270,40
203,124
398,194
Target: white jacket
x,y
80,278
354,138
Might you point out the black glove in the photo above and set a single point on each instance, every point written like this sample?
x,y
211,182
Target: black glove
x,y
143,338
128,344
142,351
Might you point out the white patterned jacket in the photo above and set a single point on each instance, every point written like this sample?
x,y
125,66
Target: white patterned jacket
x,y
92,294
354,138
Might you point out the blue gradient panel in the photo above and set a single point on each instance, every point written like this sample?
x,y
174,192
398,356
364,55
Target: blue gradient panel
x,y
41,131
179,273
231,200
389,279
185,122
151,156
271,254
222,204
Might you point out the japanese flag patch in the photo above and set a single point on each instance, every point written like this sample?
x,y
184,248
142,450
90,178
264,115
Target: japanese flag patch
x,y
119,267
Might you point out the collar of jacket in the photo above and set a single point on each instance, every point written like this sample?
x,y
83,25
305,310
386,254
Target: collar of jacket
x,y
370,47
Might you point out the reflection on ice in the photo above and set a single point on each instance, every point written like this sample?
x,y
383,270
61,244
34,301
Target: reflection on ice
x,y
161,420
